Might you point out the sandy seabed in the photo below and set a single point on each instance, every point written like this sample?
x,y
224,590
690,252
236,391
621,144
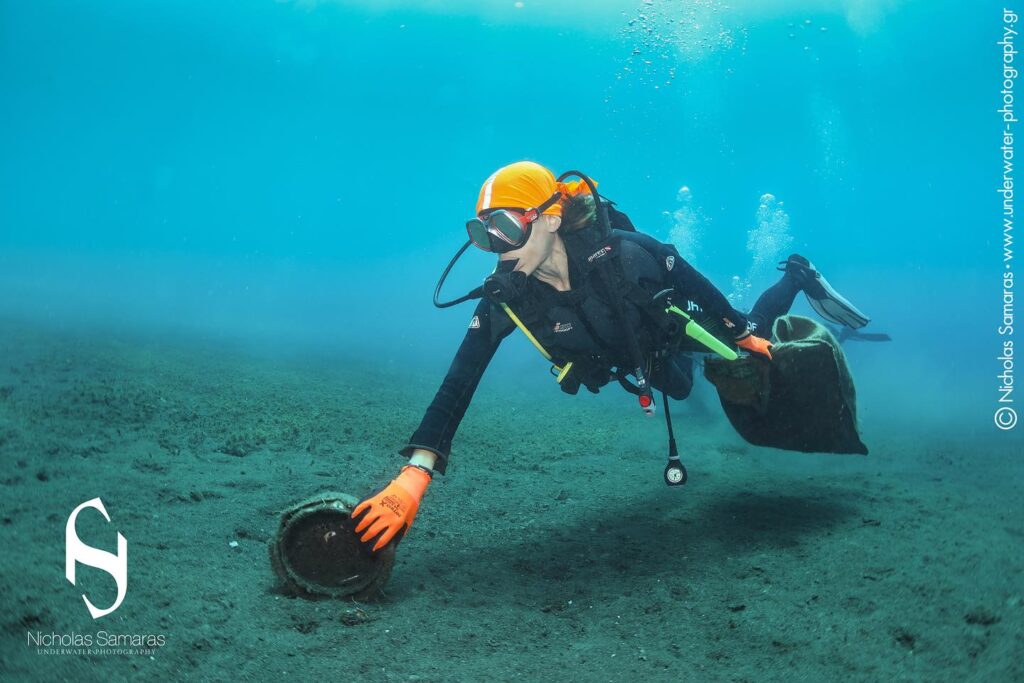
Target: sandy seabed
x,y
551,550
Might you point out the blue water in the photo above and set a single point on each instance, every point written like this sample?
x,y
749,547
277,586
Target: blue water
x,y
221,223
296,174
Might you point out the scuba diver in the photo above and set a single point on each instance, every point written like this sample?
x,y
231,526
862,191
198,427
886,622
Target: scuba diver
x,y
600,301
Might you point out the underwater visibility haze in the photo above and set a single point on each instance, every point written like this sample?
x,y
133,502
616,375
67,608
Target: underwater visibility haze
x,y
221,227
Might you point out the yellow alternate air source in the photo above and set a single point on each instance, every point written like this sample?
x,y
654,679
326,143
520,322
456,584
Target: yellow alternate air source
x,y
695,331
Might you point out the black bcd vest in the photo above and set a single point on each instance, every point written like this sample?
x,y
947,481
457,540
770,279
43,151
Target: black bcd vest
x,y
580,325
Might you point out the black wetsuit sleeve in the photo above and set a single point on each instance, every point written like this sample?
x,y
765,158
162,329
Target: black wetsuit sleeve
x,y
452,399
691,284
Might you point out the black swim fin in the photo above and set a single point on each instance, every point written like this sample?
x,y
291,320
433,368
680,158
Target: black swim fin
x,y
844,334
825,300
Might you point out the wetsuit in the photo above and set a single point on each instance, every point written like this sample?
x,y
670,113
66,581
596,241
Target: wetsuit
x,y
580,325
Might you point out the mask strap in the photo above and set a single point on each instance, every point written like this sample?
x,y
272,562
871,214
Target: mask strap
x,y
548,204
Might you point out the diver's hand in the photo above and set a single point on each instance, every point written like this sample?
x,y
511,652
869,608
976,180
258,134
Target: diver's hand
x,y
755,344
389,514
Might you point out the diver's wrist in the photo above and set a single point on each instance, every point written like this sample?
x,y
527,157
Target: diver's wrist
x,y
747,331
423,468
423,458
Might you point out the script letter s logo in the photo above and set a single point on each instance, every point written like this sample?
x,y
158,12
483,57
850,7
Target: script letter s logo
x,y
115,565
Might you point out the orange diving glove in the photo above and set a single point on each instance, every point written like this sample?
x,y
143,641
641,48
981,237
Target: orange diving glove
x,y
389,514
755,344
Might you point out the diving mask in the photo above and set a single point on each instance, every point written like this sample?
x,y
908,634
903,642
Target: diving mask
x,y
504,230
501,230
